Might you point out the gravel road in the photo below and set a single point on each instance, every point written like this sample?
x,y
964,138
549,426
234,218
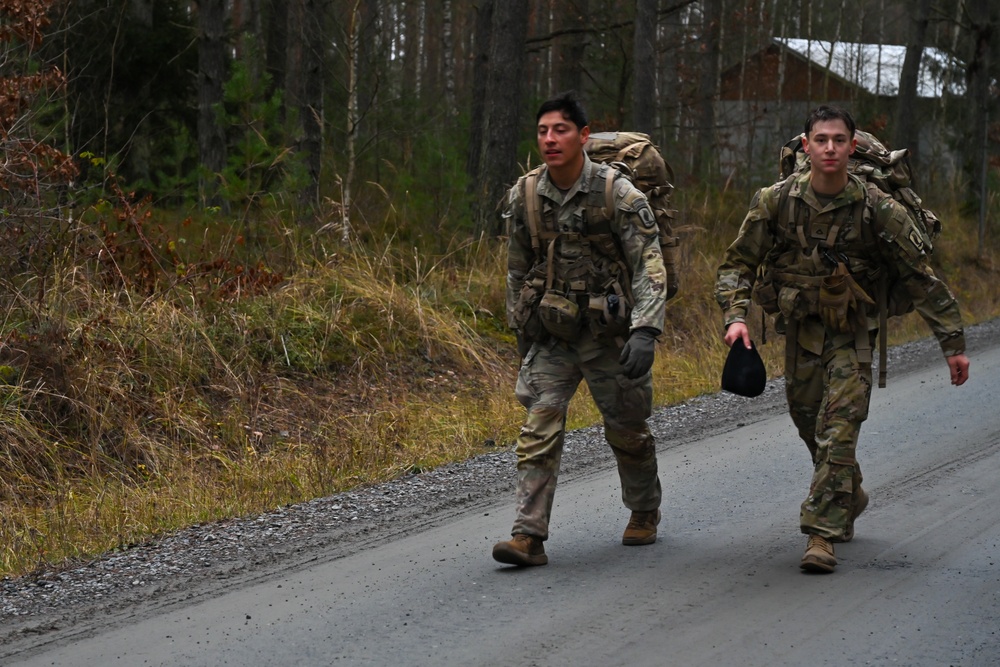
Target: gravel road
x,y
204,560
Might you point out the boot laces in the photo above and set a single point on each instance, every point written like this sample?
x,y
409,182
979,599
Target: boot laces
x,y
641,519
820,543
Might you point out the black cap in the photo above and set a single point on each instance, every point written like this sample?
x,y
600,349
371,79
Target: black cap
x,y
744,372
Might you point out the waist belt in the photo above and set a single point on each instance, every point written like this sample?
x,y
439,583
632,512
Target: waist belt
x,y
862,342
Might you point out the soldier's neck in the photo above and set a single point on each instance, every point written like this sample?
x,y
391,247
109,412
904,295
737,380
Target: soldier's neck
x,y
828,184
565,177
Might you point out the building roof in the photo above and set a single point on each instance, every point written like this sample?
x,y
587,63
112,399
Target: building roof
x,y
876,67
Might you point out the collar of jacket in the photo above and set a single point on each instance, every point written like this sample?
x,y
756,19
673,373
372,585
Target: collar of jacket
x,y
854,192
550,191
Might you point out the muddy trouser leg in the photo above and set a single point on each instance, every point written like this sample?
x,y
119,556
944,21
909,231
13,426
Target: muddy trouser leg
x,y
626,405
844,407
546,382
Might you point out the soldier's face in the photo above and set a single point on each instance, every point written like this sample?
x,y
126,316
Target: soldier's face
x,y
560,141
829,145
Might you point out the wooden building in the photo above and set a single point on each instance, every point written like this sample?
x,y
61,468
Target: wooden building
x,y
764,100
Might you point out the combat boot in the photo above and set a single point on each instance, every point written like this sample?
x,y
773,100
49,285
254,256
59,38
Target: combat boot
x,y
819,555
521,549
641,528
857,507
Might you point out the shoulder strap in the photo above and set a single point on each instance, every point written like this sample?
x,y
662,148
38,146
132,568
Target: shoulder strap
x,y
869,236
532,209
881,283
783,199
609,192
600,216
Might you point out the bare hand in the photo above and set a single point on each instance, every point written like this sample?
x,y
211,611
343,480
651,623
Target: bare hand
x,y
735,332
959,367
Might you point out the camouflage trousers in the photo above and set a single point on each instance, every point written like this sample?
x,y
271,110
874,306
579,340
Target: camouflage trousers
x,y
828,397
548,378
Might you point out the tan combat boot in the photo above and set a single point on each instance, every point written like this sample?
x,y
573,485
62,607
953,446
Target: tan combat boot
x,y
641,528
819,555
521,550
857,507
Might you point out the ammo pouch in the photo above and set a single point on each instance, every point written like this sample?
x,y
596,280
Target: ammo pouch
x,y
609,315
765,295
670,264
793,303
525,316
560,316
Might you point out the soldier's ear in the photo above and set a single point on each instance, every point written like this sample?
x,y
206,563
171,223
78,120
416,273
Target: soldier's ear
x,y
584,134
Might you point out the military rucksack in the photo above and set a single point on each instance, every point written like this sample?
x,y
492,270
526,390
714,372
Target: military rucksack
x,y
890,172
636,156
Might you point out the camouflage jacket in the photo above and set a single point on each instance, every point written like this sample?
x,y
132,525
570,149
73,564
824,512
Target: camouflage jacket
x,y
766,241
632,226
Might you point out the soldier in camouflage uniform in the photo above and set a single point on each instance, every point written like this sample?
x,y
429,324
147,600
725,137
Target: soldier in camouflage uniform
x,y
817,276
586,295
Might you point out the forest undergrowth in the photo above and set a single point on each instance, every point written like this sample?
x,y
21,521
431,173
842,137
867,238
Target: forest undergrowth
x,y
142,391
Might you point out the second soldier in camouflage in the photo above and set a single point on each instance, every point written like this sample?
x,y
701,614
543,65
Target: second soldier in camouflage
x,y
810,251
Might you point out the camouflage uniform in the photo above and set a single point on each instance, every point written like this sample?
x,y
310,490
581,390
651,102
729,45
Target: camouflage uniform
x,y
553,368
828,371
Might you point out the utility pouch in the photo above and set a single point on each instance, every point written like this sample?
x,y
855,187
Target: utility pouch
x,y
766,296
792,303
608,315
560,316
525,316
671,263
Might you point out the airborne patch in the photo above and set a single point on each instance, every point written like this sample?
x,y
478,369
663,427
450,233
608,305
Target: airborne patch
x,y
646,216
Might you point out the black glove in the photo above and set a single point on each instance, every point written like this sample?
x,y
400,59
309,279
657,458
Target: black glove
x,y
523,345
637,355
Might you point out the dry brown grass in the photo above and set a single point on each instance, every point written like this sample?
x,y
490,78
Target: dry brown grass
x,y
124,416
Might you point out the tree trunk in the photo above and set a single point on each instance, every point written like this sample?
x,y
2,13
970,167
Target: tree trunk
x,y
140,152
411,50
448,59
276,50
978,92
311,103
480,75
295,57
907,123
979,75
644,59
211,77
569,49
669,85
709,85
501,131
353,49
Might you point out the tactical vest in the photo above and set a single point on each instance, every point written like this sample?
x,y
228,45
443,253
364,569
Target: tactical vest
x,y
815,261
883,172
580,278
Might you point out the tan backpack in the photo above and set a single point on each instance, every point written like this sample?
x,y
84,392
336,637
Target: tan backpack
x,y
636,156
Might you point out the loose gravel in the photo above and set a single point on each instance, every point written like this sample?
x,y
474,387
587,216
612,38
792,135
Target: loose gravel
x,y
204,559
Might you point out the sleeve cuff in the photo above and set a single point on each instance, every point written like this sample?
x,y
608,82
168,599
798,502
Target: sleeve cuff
x,y
954,345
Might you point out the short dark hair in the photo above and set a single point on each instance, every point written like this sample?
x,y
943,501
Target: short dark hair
x,y
824,113
568,105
